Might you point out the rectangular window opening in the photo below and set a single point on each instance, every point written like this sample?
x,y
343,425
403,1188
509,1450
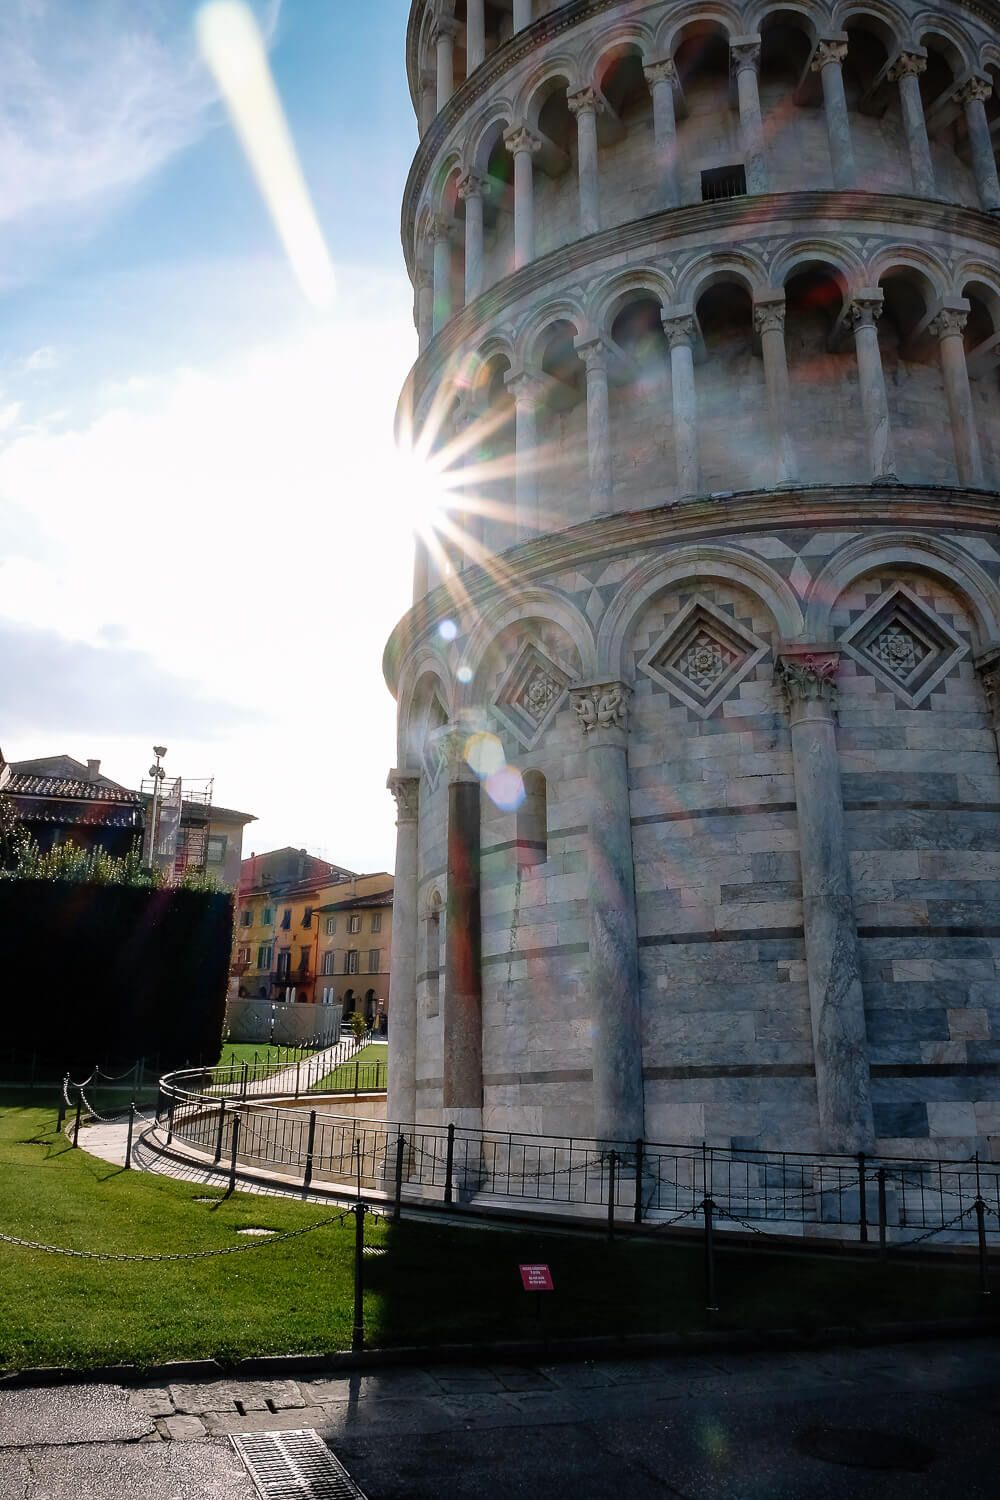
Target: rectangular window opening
x,y
724,182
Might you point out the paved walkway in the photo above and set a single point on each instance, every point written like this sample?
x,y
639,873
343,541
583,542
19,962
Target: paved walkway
x,y
902,1422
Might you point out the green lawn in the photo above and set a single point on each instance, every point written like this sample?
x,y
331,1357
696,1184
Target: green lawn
x,y
367,1066
435,1283
234,1054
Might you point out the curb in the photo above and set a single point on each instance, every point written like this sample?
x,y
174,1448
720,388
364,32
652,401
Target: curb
x,y
563,1350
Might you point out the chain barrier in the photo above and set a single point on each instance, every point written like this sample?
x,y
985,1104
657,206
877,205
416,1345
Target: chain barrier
x,y
257,1244
938,1229
655,1228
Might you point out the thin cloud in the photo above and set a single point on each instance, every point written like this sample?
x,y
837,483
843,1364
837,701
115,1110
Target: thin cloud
x,y
94,98
50,683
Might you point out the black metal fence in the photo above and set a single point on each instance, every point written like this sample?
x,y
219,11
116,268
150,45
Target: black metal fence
x,y
892,1200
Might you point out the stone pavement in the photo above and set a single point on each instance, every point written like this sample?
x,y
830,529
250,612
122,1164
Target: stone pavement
x,y
911,1421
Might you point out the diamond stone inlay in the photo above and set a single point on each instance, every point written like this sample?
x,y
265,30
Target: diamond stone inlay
x,y
904,644
530,693
703,655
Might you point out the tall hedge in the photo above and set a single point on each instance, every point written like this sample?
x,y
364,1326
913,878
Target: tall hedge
x,y
109,973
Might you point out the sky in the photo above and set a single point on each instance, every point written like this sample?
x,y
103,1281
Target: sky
x,y
204,531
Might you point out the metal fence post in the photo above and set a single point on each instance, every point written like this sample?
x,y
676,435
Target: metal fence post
x,y
128,1141
862,1203
358,1331
234,1153
710,1303
297,1067
449,1163
60,1120
243,1080
637,1210
398,1200
221,1133
357,1070
76,1122
612,1174
984,1265
881,1212
307,1175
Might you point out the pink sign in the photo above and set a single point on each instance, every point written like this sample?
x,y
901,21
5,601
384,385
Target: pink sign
x,y
536,1278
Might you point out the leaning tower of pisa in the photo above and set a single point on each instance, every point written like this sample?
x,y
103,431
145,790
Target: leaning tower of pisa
x,y
699,695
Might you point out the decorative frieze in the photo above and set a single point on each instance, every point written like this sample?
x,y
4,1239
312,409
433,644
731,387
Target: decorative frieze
x,y
602,705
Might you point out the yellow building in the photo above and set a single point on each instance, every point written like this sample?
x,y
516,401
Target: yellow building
x,y
309,932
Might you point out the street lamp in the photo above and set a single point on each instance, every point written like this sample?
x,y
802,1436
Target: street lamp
x,y
157,773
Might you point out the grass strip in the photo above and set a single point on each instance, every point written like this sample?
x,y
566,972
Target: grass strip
x,y
434,1283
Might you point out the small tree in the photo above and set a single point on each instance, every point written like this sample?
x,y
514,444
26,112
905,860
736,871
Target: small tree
x,y
358,1025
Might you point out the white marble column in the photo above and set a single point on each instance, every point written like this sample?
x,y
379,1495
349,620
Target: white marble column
x,y
401,1105
769,323
470,190
421,569
523,145
440,237
745,54
425,306
949,326
587,105
681,331
833,969
662,80
972,97
863,314
475,34
522,14
526,388
828,60
905,72
594,353
602,713
443,39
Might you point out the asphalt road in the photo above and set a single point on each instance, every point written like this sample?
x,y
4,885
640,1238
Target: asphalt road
x,y
907,1421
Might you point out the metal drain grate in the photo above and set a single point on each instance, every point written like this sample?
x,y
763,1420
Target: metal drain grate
x,y
294,1465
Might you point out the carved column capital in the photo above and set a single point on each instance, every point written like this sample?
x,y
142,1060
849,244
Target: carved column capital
x,y
948,322
907,65
864,312
405,788
526,386
585,101
808,678
472,186
664,71
988,667
745,54
975,88
681,329
423,278
832,51
519,138
769,317
444,27
438,228
601,707
594,352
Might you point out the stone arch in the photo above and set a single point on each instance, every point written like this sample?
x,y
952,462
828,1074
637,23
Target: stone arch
x,y
914,262
920,551
624,34
989,55
887,19
938,33
813,20
529,604
718,267
531,336
674,29
555,69
606,300
427,680
839,260
485,131
731,563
